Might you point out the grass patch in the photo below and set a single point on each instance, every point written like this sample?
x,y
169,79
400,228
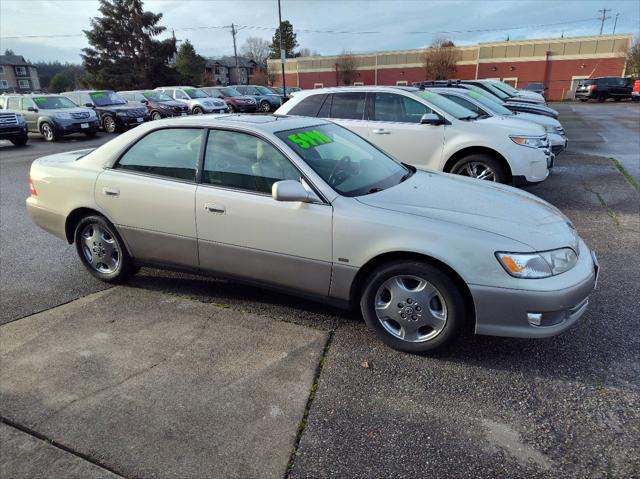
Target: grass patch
x,y
626,174
307,409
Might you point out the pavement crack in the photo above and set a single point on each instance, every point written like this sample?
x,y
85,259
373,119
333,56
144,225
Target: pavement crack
x,y
612,214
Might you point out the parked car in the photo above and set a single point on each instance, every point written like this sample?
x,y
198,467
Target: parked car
x,y
635,93
158,104
113,111
497,95
424,129
603,88
306,206
518,94
236,101
280,91
196,99
505,96
536,87
13,127
483,106
53,116
266,99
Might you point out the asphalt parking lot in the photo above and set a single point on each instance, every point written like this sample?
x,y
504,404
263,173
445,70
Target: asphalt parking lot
x,y
176,375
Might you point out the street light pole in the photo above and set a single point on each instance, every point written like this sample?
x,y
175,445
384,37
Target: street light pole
x,y
282,52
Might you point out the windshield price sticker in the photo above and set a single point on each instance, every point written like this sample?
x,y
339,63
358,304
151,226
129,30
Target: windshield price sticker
x,y
474,94
189,90
39,99
98,95
310,138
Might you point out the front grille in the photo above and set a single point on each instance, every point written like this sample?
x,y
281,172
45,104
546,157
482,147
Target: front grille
x,y
80,116
8,119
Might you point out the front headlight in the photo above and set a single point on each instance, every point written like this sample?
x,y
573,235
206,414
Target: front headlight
x,y
538,265
63,116
530,141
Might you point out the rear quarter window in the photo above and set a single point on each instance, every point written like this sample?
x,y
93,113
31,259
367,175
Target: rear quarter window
x,y
310,106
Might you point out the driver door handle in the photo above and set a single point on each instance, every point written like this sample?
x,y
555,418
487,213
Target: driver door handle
x,y
213,208
381,131
109,191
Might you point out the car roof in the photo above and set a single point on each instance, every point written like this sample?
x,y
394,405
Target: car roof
x,y
175,86
341,89
264,123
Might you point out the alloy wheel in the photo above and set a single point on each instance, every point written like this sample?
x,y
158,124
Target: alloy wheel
x,y
100,249
156,116
47,131
265,107
109,124
410,308
476,169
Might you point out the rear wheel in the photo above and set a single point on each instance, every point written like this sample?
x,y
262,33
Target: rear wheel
x,y
109,124
412,306
481,167
102,251
602,97
47,131
156,116
265,106
232,109
197,110
584,99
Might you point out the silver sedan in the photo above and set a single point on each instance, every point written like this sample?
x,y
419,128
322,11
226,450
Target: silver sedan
x,y
306,206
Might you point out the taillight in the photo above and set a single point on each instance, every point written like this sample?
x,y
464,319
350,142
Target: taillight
x,y
32,188
593,87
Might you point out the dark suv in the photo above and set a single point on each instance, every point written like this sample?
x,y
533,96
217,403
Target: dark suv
x,y
235,100
159,105
602,88
53,116
114,112
13,128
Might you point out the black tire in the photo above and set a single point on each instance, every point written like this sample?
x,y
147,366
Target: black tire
x,y
584,99
197,111
232,109
90,134
21,141
602,97
265,106
446,288
617,98
47,131
109,124
124,268
463,165
156,115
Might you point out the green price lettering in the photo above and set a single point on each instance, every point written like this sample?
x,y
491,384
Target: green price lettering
x,y
39,99
310,138
474,94
97,95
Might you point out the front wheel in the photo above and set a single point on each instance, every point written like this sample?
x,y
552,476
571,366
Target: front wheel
x,y
102,251
412,306
265,106
47,131
109,124
197,110
156,116
20,141
481,167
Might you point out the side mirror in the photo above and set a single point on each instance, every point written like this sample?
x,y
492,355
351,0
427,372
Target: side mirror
x,y
290,190
32,109
146,102
89,105
431,119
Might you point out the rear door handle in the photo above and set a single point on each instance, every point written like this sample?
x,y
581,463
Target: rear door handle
x,y
213,208
381,131
108,191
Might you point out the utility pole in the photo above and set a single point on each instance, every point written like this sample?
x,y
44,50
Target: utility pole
x,y
615,23
283,54
603,18
235,52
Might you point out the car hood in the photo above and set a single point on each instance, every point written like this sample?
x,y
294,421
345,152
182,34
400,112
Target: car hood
x,y
125,107
512,126
532,107
539,119
171,103
66,110
481,205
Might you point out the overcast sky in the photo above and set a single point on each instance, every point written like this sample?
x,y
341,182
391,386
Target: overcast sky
x,y
378,24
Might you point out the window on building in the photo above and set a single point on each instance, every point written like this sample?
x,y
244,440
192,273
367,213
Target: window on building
x,y
318,85
23,84
170,152
1,70
4,84
401,83
21,71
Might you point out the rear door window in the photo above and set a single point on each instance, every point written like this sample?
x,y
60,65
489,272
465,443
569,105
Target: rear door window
x,y
348,106
310,106
171,152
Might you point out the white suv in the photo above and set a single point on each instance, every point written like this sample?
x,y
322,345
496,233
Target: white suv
x,y
199,102
425,129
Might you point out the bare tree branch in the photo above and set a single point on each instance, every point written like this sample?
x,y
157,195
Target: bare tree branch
x,y
440,59
346,65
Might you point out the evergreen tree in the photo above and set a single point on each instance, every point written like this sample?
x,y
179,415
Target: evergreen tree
x,y
60,82
123,53
289,41
189,64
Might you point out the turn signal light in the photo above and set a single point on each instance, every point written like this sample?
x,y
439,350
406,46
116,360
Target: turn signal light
x,y
32,188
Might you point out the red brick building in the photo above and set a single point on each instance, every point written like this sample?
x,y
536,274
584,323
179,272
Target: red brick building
x,y
558,63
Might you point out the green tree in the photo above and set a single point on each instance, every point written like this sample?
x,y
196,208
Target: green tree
x,y
633,59
189,64
47,70
124,53
289,43
8,51
60,82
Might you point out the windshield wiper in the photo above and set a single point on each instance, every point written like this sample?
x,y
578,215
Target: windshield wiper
x,y
374,190
467,118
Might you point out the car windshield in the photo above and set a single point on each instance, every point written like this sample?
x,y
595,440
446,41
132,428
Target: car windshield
x,y
156,96
53,102
349,164
264,90
228,91
506,87
496,91
195,93
448,106
495,107
104,98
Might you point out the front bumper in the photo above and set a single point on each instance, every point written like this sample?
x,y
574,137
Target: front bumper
x,y
517,312
215,109
124,122
13,132
76,126
558,143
